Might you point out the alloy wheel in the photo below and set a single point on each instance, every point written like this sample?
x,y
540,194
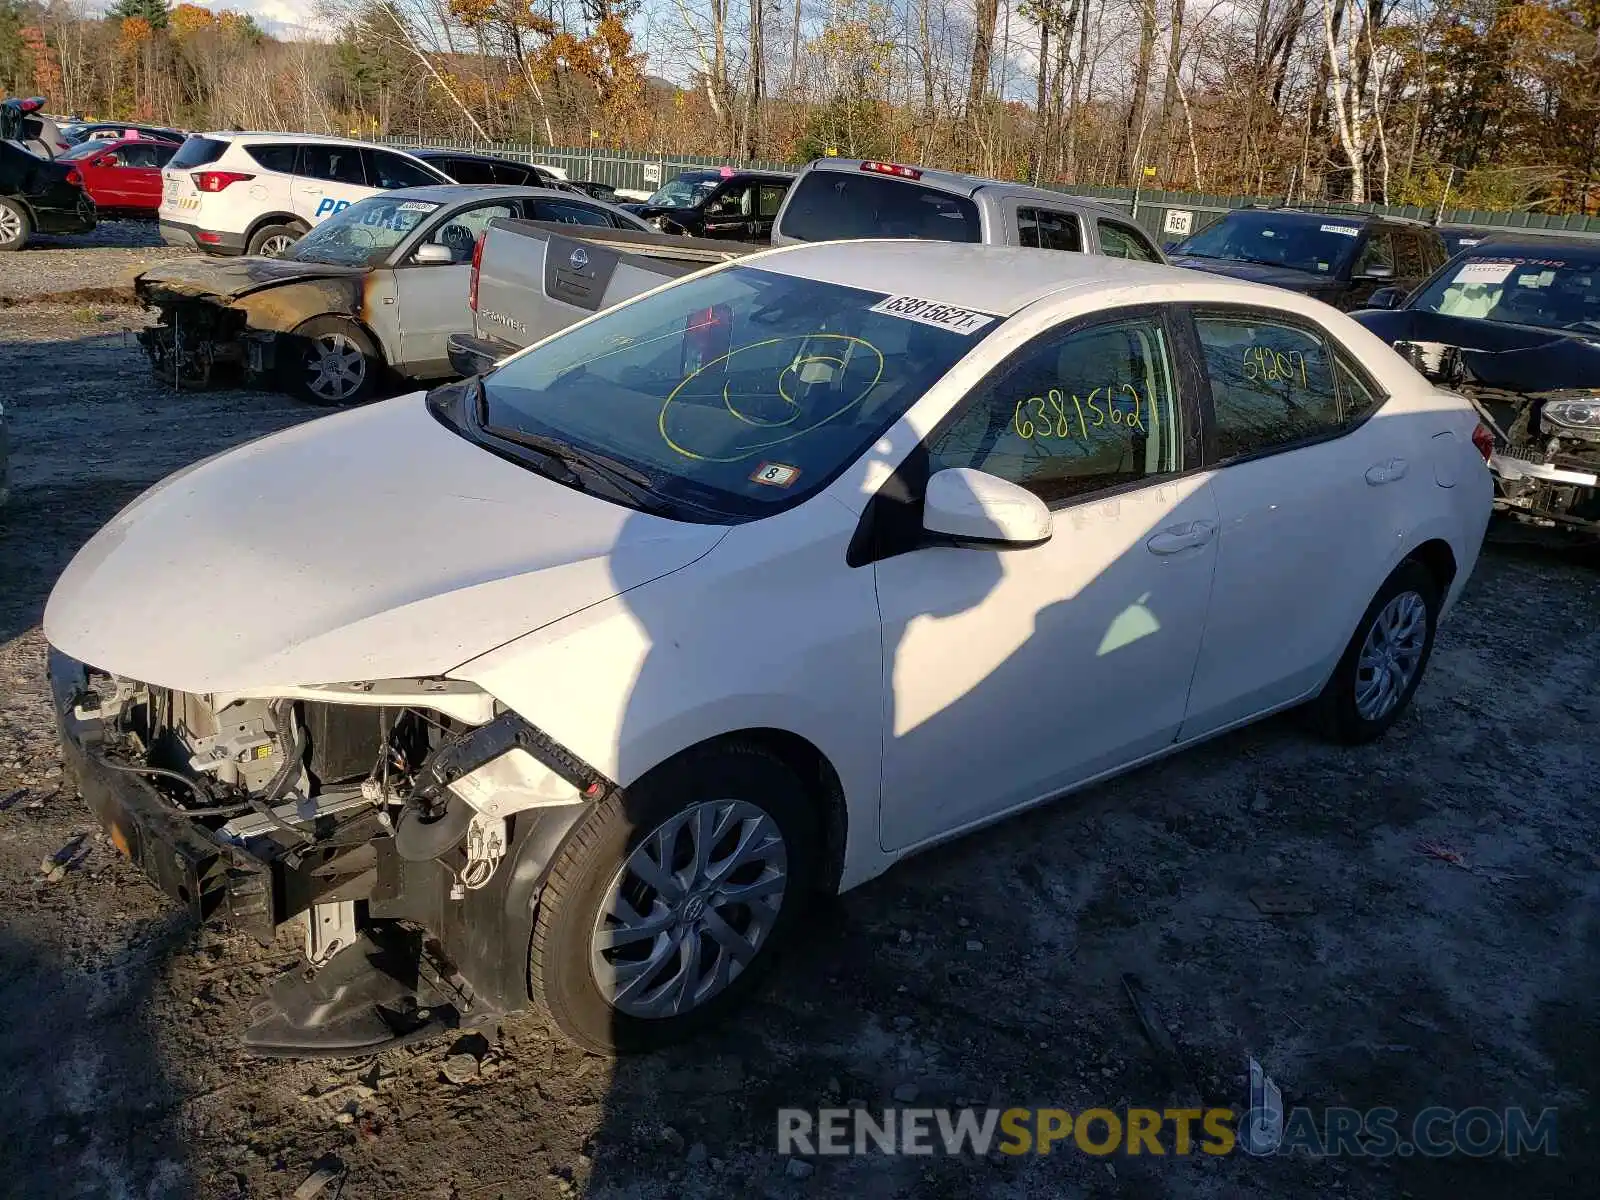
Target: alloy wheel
x,y
1390,655
336,367
274,246
689,909
10,225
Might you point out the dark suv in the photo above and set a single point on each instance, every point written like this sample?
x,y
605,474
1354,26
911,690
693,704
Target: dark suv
x,y
717,203
1338,257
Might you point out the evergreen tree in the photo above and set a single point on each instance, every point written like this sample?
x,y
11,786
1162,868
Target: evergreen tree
x,y
153,11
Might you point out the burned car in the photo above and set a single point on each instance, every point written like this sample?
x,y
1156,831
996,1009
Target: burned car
x,y
375,289
1515,326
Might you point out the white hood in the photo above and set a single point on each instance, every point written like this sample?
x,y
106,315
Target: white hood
x,y
374,544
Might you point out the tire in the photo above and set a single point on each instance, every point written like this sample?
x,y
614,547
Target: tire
x,y
270,241
732,782
1347,710
16,225
330,361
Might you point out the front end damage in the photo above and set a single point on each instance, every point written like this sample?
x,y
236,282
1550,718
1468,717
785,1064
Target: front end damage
x,y
219,320
1546,459
406,826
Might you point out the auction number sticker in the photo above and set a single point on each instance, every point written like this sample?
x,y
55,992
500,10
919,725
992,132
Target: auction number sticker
x,y
1345,230
1484,272
953,317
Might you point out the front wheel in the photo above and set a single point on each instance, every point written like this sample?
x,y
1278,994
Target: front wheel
x,y
331,361
16,226
667,905
1383,664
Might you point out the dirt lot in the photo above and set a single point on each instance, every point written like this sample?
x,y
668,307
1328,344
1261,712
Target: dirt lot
x,y
989,972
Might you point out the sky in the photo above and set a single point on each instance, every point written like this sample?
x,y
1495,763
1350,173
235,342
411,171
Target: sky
x,y
281,18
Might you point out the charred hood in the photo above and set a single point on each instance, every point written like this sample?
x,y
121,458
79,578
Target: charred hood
x,y
227,280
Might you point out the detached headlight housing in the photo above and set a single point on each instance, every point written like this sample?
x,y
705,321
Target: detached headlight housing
x,y
1577,416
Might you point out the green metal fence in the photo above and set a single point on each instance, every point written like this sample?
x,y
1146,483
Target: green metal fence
x,y
1166,215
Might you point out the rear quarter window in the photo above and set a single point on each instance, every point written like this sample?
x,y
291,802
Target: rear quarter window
x,y
197,151
276,157
842,204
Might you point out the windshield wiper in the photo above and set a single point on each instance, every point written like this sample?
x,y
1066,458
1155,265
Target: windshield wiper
x,y
560,459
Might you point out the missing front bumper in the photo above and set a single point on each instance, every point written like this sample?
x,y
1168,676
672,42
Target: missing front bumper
x,y
213,880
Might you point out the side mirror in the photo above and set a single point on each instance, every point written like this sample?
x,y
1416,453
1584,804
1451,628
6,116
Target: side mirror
x,y
432,252
974,508
1377,271
1387,297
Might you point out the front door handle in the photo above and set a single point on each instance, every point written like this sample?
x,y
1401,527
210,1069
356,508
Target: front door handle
x,y
1387,472
1176,538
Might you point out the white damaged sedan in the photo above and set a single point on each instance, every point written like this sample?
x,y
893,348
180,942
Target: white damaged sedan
x,y
573,683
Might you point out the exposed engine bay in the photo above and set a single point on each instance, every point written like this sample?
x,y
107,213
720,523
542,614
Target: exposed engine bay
x,y
381,818
1547,439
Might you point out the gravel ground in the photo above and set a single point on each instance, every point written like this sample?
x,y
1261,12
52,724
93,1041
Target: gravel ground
x,y
990,971
108,257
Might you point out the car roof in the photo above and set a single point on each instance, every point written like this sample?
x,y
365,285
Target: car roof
x,y
235,135
1499,245
996,279
970,185
427,152
451,193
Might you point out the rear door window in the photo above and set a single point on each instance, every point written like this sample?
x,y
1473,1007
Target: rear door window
x,y
844,204
197,152
1272,383
567,213
336,164
770,199
1047,230
466,170
275,156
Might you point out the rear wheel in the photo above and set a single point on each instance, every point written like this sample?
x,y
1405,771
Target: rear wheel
x,y
1383,664
270,241
665,907
16,226
331,361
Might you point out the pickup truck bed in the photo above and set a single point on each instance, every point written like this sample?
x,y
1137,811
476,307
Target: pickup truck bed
x,y
532,278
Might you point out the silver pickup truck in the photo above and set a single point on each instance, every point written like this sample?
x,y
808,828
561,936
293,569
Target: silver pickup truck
x,y
533,279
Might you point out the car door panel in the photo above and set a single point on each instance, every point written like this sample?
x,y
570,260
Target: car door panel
x,y
1013,674
431,298
1301,523
328,178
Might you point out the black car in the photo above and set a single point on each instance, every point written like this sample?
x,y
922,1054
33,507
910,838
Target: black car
x,y
595,191
1340,258
718,203
1514,324
39,196
464,167
84,131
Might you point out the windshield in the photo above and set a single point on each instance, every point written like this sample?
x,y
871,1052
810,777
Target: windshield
x,y
739,392
363,234
1556,292
1321,245
683,192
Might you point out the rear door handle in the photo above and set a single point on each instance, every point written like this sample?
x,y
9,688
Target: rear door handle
x,y
1387,472
1176,538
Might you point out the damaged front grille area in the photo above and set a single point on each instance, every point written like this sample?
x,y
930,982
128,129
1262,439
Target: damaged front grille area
x,y
267,807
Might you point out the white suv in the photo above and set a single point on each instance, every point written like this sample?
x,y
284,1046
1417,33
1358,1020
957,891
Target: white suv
x,y
256,193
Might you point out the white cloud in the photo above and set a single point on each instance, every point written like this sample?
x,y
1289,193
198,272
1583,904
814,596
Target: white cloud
x,y
280,18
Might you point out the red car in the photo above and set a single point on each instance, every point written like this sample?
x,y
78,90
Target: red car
x,y
122,175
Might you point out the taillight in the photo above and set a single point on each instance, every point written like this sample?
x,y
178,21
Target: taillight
x,y
895,169
215,181
1483,439
74,176
477,263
